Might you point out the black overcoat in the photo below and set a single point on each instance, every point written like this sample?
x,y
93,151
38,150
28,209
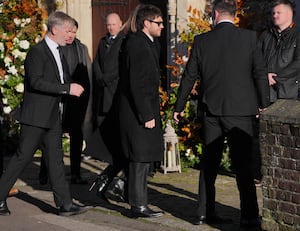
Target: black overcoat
x,y
139,99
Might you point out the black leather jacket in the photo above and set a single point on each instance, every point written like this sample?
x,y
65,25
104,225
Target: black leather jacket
x,y
282,54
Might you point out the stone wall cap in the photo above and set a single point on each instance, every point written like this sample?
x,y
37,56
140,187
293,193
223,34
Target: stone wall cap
x,y
283,110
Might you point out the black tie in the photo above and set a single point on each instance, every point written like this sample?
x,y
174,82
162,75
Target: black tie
x,y
64,64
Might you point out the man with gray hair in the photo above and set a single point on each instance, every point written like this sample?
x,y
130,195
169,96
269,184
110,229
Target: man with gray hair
x,y
40,114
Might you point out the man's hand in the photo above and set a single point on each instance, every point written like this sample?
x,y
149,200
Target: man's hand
x,y
271,79
150,124
176,116
76,89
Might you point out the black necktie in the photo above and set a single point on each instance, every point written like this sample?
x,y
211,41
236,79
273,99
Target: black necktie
x,y
64,64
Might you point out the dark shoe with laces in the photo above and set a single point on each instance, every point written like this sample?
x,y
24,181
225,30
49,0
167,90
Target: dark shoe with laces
x,y
144,211
4,211
117,190
72,210
250,223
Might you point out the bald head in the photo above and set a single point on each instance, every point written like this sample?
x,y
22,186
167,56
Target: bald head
x,y
113,23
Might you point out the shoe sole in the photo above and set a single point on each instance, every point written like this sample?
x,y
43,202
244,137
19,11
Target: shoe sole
x,y
5,214
67,214
145,216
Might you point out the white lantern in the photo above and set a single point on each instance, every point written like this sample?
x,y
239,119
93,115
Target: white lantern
x,y
171,162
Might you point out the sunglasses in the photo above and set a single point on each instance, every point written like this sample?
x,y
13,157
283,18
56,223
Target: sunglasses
x,y
158,23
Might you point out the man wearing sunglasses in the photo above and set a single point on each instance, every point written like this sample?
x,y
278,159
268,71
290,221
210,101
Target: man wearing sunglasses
x,y
141,133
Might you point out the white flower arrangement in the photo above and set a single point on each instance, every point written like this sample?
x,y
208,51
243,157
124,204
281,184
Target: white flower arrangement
x,y
22,24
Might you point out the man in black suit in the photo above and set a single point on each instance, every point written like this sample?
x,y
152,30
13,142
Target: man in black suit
x,y
233,86
140,122
105,109
75,108
40,114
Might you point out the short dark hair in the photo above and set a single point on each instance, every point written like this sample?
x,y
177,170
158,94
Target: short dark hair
x,y
145,12
225,6
290,3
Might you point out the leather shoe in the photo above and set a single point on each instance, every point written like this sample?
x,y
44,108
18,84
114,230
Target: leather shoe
x,y
250,223
200,220
78,180
213,219
73,210
4,211
100,183
144,211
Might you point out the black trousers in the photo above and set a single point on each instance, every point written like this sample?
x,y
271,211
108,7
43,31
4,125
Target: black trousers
x,y
76,141
137,183
30,140
239,133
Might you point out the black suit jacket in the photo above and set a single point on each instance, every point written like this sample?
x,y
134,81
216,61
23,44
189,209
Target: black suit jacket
x,y
42,89
232,73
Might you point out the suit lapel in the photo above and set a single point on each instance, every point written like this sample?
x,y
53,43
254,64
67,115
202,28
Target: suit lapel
x,y
51,57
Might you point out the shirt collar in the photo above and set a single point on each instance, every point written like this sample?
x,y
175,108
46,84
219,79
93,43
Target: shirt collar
x,y
225,20
51,44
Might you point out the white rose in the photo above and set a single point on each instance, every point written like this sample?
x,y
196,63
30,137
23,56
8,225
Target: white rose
x,y
23,55
17,21
7,61
1,46
16,53
20,88
16,40
28,20
12,70
7,109
24,44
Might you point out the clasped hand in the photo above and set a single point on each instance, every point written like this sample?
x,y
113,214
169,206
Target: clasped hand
x,y
76,89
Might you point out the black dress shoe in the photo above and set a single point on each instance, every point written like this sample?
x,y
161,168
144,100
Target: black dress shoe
x,y
100,183
4,211
117,190
200,220
73,210
78,180
144,211
250,223
213,219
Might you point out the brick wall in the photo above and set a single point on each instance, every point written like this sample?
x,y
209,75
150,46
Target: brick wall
x,y
280,148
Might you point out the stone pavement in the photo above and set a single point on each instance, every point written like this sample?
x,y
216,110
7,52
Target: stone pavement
x,y
174,193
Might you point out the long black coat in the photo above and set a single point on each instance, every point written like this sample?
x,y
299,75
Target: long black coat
x,y
105,75
139,99
232,72
78,60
